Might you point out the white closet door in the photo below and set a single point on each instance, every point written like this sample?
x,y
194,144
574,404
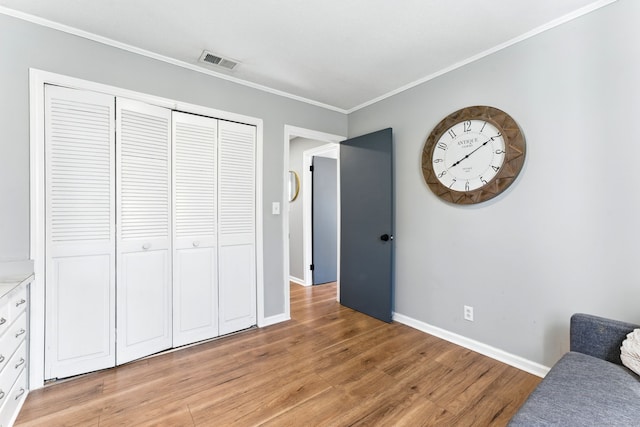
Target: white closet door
x,y
236,230
143,229
195,273
80,232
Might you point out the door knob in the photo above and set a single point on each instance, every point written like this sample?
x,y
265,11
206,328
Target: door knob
x,y
385,237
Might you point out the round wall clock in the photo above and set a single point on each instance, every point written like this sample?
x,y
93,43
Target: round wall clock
x,y
473,155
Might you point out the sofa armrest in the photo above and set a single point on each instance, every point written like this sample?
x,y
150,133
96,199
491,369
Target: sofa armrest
x,y
598,337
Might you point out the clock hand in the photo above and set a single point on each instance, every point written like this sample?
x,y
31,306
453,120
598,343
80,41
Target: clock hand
x,y
467,156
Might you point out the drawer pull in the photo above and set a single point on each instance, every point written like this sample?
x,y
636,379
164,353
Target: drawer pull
x,y
196,243
19,395
20,332
146,246
20,363
1,394
19,303
1,358
3,321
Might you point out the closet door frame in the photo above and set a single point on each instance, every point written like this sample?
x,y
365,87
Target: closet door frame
x,y
37,81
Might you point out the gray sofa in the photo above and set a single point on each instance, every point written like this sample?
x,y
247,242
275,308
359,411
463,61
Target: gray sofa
x,y
588,386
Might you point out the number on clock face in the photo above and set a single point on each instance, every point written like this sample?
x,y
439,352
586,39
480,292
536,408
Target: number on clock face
x,y
468,155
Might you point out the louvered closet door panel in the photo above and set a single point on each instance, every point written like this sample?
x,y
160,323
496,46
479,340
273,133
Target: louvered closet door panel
x,y
195,273
144,222
236,228
80,232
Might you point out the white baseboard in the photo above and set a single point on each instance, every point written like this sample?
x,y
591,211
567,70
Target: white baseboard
x,y
298,281
484,349
272,320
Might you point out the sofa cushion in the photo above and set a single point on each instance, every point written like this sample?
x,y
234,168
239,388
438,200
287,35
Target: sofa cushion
x,y
582,390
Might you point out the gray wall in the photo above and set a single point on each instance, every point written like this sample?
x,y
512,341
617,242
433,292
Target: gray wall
x,y
564,237
24,45
296,242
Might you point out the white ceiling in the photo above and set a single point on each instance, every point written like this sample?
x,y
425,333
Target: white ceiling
x,y
341,53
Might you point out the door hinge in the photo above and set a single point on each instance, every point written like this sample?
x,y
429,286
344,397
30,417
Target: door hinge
x,y
311,267
311,168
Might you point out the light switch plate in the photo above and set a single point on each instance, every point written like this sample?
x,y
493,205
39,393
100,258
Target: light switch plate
x,y
275,208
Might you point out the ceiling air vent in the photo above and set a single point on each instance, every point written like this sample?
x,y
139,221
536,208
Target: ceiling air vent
x,y
218,61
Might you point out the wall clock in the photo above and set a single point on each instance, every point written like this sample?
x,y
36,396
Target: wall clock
x,y
473,155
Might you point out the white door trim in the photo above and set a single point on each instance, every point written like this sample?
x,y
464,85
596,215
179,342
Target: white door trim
x,y
37,80
332,140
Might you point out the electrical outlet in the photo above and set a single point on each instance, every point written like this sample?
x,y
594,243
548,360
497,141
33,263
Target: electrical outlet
x,y
468,313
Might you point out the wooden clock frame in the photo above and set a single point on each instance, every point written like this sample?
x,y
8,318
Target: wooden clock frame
x,y
514,158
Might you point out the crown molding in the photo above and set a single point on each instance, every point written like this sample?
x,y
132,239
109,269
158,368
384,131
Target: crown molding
x,y
110,42
149,54
549,25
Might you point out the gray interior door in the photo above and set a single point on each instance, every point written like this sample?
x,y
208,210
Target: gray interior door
x,y
366,221
325,220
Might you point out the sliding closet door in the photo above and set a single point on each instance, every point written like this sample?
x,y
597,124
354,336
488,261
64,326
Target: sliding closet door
x,y
80,232
143,229
195,273
236,238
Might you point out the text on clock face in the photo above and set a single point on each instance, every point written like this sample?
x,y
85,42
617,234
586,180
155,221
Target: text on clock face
x,y
467,143
468,155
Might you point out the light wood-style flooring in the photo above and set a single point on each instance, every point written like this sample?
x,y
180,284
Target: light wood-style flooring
x,y
328,366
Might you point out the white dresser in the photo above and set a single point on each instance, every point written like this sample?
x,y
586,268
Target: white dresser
x,y
14,330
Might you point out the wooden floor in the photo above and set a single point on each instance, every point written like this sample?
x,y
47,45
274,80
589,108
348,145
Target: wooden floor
x,y
329,366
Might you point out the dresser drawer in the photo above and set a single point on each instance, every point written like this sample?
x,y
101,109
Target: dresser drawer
x,y
12,370
13,400
5,319
12,338
11,306
18,301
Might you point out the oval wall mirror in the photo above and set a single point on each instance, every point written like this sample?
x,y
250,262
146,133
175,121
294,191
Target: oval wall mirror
x,y
294,185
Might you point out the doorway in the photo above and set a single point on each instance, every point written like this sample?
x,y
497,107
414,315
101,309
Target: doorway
x,y
300,147
371,152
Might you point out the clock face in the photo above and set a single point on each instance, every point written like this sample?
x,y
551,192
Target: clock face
x,y
468,155
473,155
